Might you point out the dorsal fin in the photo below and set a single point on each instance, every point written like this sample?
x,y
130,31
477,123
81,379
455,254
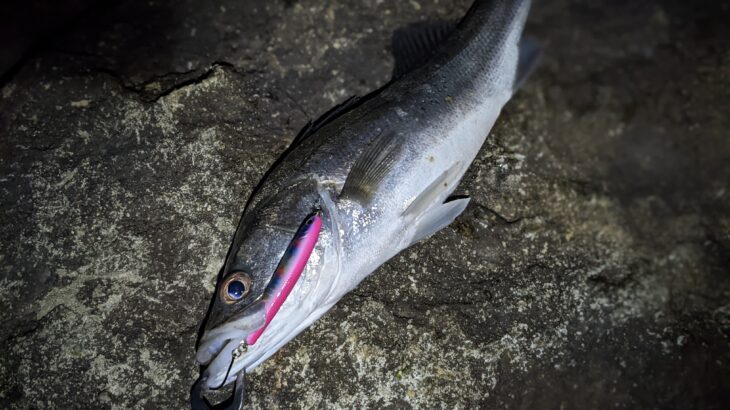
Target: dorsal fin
x,y
312,126
415,43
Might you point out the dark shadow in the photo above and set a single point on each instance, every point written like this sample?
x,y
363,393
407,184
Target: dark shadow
x,y
149,47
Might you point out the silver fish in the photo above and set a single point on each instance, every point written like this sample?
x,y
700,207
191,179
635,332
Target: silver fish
x,y
380,169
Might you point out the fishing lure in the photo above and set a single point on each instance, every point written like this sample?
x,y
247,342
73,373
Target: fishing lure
x,y
289,270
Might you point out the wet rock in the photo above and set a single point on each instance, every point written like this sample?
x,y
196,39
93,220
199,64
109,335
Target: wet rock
x,y
589,271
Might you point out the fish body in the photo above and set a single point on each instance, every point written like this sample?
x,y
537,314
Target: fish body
x,y
381,171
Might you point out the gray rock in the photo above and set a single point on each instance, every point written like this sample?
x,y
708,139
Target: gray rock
x,y
590,270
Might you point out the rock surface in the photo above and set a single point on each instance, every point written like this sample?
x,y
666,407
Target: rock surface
x,y
591,269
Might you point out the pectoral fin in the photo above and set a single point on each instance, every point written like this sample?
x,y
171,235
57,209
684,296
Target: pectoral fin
x,y
438,218
371,168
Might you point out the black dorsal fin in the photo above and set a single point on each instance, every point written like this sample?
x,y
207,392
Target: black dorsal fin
x,y
415,43
312,126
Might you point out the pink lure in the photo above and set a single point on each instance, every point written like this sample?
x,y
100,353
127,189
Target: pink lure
x,y
289,270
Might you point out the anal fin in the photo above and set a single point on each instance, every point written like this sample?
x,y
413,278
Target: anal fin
x,y
436,192
438,218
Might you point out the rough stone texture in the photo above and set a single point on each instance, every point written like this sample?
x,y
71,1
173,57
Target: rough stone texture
x,y
590,270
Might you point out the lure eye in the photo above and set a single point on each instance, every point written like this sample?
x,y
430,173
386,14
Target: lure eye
x,y
235,287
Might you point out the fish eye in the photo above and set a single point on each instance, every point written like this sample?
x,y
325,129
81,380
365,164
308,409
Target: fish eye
x,y
235,287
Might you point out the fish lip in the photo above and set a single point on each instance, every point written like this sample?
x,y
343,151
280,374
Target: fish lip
x,y
258,352
216,353
209,350
224,365
220,365
236,328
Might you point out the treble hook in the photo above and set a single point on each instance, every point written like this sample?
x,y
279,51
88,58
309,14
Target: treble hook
x,y
198,402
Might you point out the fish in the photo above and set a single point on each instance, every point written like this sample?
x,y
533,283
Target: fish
x,y
379,171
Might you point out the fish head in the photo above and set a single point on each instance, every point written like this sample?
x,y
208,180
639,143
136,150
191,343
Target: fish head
x,y
265,232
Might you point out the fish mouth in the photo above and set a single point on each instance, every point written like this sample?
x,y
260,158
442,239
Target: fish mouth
x,y
306,303
309,300
223,349
233,330
219,352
